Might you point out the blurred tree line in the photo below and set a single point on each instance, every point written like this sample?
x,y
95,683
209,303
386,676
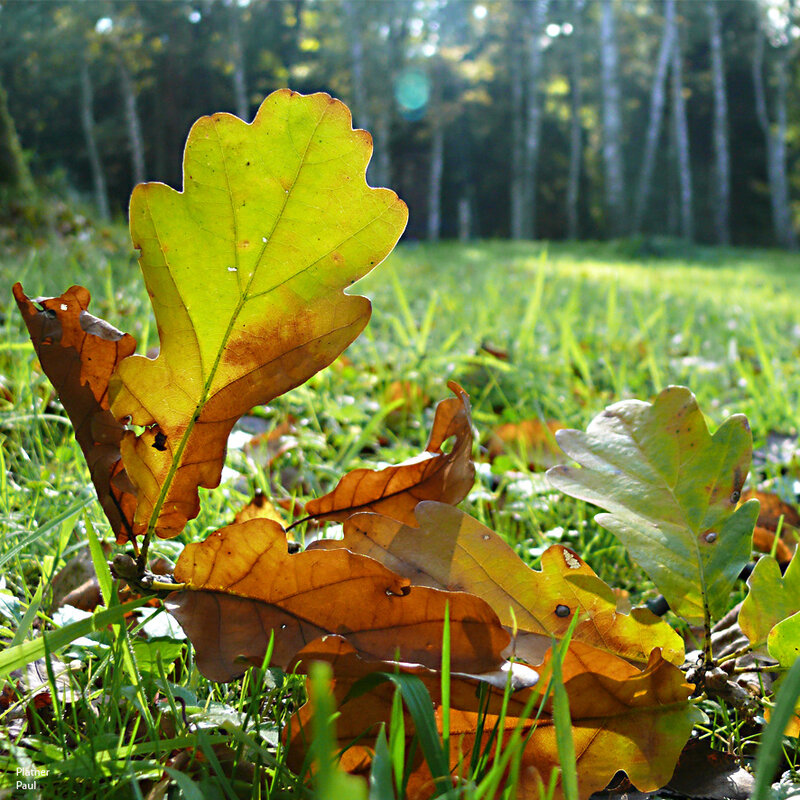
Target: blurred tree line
x,y
491,118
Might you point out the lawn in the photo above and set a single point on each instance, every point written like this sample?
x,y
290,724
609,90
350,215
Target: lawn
x,y
545,331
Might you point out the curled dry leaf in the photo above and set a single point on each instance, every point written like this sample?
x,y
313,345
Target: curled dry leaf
x,y
395,491
78,353
672,490
242,584
623,718
246,268
451,550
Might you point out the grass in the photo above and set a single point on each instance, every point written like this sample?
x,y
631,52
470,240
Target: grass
x,y
581,326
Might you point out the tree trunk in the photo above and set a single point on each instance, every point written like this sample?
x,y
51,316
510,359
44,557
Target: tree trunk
x,y
533,118
576,131
682,142
722,198
135,138
657,100
359,89
775,137
464,219
14,173
87,121
239,74
437,158
612,122
788,235
517,125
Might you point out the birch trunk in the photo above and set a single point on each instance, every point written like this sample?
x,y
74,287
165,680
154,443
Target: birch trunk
x,y
612,121
359,89
239,74
788,235
682,142
437,158
517,126
576,132
135,138
533,116
87,122
657,101
775,136
722,162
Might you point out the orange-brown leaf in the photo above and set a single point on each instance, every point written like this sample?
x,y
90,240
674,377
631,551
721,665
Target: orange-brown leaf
x,y
451,550
78,352
770,513
260,508
623,718
241,584
395,491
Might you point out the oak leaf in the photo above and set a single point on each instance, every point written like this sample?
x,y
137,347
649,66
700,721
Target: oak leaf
x,y
242,584
396,490
623,718
453,551
766,615
246,269
78,353
672,490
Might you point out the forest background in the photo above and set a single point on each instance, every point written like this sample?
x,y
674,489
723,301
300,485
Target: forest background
x,y
579,119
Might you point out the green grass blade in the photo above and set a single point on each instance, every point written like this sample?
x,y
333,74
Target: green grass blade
x,y
380,774
65,516
27,619
16,657
99,561
771,742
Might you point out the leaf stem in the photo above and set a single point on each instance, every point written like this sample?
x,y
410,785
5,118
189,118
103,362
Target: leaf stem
x,y
742,651
708,658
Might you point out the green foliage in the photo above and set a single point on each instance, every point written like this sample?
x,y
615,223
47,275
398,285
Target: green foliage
x,y
672,490
769,610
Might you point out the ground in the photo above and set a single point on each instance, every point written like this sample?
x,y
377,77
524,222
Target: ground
x,y
546,331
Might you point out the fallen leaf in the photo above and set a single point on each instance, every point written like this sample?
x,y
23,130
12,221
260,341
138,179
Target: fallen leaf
x,y
407,396
764,542
623,718
78,353
260,508
450,550
672,490
701,774
242,584
395,491
246,269
771,513
771,598
533,440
